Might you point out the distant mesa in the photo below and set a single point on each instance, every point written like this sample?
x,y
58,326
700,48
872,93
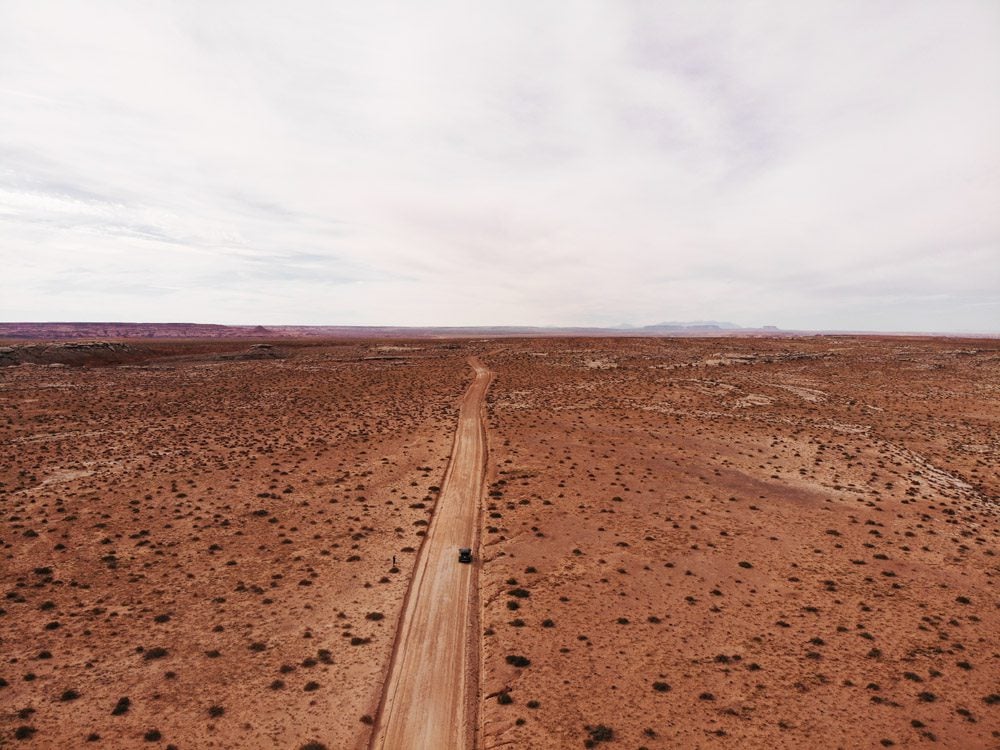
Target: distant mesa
x,y
695,325
67,353
672,329
123,330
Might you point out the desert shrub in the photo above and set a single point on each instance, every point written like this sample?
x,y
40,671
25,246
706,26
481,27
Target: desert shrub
x,y
504,699
661,687
152,735
216,711
121,707
157,652
518,661
599,733
69,695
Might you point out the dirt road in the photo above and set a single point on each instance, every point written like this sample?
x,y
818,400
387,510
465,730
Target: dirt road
x,y
429,697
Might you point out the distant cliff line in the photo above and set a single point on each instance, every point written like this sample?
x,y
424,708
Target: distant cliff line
x,y
63,331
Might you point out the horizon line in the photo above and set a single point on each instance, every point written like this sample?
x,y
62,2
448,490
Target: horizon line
x,y
631,330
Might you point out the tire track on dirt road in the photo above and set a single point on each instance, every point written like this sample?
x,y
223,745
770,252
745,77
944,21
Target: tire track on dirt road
x,y
430,694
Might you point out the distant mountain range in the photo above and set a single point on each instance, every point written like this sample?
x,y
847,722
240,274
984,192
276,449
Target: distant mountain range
x,y
697,325
121,330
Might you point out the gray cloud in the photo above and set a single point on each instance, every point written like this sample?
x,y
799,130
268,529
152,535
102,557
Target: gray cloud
x,y
830,165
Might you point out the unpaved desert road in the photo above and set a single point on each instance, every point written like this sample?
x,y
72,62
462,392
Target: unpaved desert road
x,y
429,699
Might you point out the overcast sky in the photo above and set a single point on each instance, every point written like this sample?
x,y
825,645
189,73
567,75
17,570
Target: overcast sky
x,y
800,164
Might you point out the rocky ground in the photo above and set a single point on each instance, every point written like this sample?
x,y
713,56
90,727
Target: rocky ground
x,y
196,551
743,543
685,542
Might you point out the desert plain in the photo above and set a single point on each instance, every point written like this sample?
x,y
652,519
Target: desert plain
x,y
777,542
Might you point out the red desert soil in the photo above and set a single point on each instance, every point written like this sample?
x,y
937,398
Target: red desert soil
x,y
743,543
685,543
430,691
197,551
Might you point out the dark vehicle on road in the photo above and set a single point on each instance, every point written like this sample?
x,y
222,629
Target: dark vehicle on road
x,y
464,555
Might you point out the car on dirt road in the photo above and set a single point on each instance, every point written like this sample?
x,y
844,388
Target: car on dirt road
x,y
464,555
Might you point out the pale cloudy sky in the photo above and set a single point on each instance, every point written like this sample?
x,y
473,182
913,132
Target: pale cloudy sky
x,y
802,164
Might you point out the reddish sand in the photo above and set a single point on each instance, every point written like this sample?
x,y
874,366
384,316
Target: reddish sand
x,y
240,515
430,693
743,544
685,543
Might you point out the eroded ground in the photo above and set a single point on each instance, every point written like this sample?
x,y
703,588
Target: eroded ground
x,y
196,550
743,543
